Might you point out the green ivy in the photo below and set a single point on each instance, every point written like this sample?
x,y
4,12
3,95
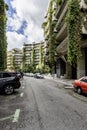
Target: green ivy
x,y
59,2
74,26
51,39
3,40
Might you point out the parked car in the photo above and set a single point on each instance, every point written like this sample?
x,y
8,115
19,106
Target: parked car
x,y
9,81
38,75
80,85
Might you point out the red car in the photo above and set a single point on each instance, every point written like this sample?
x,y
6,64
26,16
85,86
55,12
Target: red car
x,y
80,85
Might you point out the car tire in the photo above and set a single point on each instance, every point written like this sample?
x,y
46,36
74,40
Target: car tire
x,y
8,89
79,90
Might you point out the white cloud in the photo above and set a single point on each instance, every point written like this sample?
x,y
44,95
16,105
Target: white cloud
x,y
35,34
15,40
14,22
31,11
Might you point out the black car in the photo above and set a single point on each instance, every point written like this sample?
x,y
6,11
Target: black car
x,y
8,82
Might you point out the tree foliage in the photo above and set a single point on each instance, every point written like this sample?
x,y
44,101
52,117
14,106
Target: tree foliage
x,y
3,40
51,39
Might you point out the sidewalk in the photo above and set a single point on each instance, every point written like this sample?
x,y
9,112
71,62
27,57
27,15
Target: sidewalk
x,y
67,82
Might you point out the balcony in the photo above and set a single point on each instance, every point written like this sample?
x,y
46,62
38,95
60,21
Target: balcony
x,y
46,44
62,17
62,47
47,27
62,32
83,5
60,8
84,28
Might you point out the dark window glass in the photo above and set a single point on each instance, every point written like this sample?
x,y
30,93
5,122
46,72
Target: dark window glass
x,y
12,74
84,80
6,75
1,76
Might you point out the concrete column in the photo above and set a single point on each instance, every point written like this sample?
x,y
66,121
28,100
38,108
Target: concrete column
x,y
81,65
68,70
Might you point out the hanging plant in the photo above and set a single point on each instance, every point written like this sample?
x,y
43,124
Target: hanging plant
x,y
59,2
51,40
3,40
74,26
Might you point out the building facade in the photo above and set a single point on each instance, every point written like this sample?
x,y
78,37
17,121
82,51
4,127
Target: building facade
x,y
32,54
62,67
14,59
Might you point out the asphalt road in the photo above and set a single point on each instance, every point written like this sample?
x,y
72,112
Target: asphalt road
x,y
42,104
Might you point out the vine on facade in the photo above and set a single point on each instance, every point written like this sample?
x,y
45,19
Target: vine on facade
x,y
59,2
51,35
74,26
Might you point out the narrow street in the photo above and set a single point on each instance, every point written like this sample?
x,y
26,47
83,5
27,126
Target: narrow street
x,y
42,104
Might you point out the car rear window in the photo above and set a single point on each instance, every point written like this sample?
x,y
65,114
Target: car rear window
x,y
12,74
6,75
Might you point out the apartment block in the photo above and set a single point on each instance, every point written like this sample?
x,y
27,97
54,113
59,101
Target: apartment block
x,y
62,67
47,29
14,59
35,49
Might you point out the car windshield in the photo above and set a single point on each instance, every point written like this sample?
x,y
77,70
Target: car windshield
x,y
84,79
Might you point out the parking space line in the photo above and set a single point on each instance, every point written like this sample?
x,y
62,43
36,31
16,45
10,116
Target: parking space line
x,y
6,118
16,115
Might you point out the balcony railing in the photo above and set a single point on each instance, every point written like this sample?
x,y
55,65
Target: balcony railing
x,y
62,47
61,20
62,32
60,8
83,5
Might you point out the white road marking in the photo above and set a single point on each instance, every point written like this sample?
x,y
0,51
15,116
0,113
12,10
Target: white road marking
x,y
22,87
21,95
16,115
5,118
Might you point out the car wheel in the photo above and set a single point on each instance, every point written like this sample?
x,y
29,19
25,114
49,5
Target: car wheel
x,y
79,90
9,89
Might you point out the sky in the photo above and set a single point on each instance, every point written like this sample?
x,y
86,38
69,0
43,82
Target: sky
x,y
24,20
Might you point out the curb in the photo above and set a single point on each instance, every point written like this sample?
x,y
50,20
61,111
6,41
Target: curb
x,y
68,85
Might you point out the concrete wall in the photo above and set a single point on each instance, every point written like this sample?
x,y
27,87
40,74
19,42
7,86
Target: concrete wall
x,y
81,65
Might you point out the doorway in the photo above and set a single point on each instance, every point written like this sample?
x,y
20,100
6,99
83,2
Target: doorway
x,y
86,61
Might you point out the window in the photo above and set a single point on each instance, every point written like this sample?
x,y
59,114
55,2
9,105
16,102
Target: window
x,y
1,75
84,80
6,75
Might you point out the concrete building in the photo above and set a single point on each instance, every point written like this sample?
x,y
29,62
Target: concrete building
x,y
63,67
47,29
27,52
28,48
14,59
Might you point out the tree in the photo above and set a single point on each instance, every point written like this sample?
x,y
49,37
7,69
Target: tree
x,y
3,40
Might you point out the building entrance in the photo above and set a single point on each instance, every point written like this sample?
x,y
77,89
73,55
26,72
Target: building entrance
x,y
74,72
86,61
